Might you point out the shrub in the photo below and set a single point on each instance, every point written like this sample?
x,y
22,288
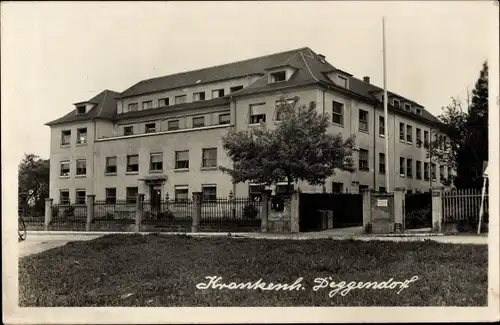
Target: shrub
x,y
250,211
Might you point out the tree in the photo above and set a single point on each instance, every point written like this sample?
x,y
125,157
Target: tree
x,y
297,150
33,179
461,141
448,140
475,150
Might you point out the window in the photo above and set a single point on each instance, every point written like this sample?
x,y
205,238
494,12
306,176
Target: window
x,y
281,108
382,189
180,99
409,170
80,196
363,120
283,189
150,127
337,187
433,171
397,104
132,193
64,197
363,159
342,81
402,132
255,192
64,168
338,113
254,119
216,93
401,166
278,76
208,193
381,126
181,193
362,188
418,167
441,173
173,125
426,138
419,111
426,171
110,165
147,105
163,102
156,162
81,109
182,159
128,130
409,134
81,167
132,163
110,195
81,136
381,163
235,88
199,96
210,157
65,137
133,107
224,118
419,137
408,107
198,121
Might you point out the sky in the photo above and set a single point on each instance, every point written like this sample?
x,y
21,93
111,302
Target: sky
x,y
55,54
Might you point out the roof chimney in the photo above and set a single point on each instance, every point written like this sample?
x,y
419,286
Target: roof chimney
x,y
366,79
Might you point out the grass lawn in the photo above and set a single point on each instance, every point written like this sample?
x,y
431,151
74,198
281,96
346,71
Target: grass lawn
x,y
162,271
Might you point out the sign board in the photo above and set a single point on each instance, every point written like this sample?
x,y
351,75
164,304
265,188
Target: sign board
x,y
382,202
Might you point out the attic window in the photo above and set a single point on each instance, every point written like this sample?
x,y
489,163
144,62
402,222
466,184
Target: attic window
x,y
419,111
397,104
408,107
217,93
342,81
278,76
133,107
81,109
236,88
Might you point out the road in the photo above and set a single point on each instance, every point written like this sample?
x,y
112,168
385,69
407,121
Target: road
x,y
36,243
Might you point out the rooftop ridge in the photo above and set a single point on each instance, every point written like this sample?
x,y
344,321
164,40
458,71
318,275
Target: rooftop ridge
x,y
226,64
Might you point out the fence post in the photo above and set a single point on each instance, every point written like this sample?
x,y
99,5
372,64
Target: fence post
x,y
367,217
138,211
90,211
48,212
266,202
196,211
437,208
294,212
399,209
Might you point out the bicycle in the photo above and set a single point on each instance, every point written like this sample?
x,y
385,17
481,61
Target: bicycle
x,y
21,229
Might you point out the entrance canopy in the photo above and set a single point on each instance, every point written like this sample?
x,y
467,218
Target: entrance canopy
x,y
154,178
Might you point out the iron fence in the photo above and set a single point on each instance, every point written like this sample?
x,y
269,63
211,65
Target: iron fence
x,y
463,204
114,212
168,214
69,214
231,212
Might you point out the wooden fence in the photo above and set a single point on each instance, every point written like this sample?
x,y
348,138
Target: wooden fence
x,y
463,204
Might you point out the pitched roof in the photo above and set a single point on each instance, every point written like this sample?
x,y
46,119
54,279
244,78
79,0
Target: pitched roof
x,y
104,107
311,68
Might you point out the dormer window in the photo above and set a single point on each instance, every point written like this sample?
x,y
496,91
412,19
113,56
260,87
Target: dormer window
x,y
397,103
217,93
408,107
147,105
342,81
81,109
235,88
133,107
419,111
278,76
199,96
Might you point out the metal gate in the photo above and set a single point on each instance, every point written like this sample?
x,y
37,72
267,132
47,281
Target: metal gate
x,y
418,210
346,210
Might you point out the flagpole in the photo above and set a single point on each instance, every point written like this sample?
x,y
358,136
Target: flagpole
x,y
386,122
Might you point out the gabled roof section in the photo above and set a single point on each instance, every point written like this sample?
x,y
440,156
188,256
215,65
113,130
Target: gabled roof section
x,y
232,70
104,107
